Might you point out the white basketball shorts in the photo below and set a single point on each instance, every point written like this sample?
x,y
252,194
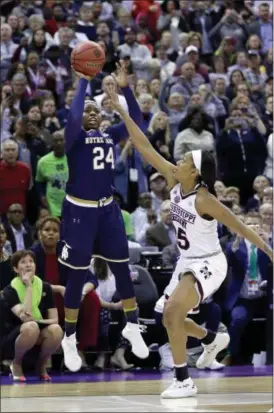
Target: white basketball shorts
x,y
209,272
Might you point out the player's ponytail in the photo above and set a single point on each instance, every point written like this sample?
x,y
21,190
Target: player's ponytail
x,y
208,171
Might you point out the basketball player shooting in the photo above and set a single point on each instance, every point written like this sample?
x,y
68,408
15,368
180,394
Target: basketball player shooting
x,y
92,221
202,266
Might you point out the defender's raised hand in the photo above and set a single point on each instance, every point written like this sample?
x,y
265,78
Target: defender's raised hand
x,y
121,74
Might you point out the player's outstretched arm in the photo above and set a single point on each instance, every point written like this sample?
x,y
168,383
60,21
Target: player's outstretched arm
x,y
141,142
74,124
207,204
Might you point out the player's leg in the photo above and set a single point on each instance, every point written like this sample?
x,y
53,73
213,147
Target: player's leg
x,y
75,255
113,247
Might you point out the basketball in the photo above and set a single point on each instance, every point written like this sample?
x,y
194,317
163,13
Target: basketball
x,y
88,58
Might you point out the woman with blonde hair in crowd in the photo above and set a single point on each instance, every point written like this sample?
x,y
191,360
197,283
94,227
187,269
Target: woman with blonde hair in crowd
x,y
159,134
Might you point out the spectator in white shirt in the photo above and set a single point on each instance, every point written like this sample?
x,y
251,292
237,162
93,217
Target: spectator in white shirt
x,y
7,48
108,81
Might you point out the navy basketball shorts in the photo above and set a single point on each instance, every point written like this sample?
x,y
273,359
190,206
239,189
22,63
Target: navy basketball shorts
x,y
88,232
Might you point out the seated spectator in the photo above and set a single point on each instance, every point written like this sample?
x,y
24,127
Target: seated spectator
x,y
15,177
130,173
50,271
244,297
241,63
259,184
158,191
6,273
140,217
266,213
232,194
33,317
267,195
220,188
18,231
194,137
52,176
49,118
269,160
125,214
106,290
170,255
162,233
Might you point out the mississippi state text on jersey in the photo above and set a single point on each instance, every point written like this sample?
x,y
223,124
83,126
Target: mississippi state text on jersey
x,y
196,236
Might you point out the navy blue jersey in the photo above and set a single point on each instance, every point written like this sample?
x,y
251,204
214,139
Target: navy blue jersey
x,y
90,154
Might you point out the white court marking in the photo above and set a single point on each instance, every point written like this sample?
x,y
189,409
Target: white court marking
x,y
136,403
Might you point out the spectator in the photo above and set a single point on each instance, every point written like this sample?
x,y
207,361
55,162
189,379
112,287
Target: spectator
x,y
266,213
130,173
140,217
253,75
188,83
6,274
139,54
146,102
263,27
106,291
7,48
50,271
52,176
244,299
267,195
125,214
85,24
162,233
267,117
259,184
194,137
247,151
232,194
32,324
107,81
15,178
159,134
17,230
158,191
220,189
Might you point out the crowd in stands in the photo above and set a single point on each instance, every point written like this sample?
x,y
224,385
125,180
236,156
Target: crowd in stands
x,y
202,72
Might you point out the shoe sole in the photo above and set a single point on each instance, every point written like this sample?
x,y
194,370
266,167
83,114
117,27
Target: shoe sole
x,y
224,340
189,394
67,364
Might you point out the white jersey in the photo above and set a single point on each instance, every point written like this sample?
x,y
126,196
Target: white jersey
x,y
196,236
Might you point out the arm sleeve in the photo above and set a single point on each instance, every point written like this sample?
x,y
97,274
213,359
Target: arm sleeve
x,y
120,132
11,296
74,124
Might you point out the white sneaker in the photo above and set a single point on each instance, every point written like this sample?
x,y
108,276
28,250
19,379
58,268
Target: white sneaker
x,y
211,350
72,359
180,389
215,365
165,354
132,332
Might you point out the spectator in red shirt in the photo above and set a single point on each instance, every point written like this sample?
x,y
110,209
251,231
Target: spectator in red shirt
x,y
15,177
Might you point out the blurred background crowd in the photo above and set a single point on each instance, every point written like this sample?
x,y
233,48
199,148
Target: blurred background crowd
x,y
202,72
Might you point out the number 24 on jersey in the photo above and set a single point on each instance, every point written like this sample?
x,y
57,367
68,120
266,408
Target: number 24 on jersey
x,y
100,159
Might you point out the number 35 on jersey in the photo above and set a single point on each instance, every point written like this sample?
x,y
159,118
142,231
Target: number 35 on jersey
x,y
102,157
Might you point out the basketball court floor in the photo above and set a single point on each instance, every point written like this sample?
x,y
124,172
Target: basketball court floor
x,y
235,389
